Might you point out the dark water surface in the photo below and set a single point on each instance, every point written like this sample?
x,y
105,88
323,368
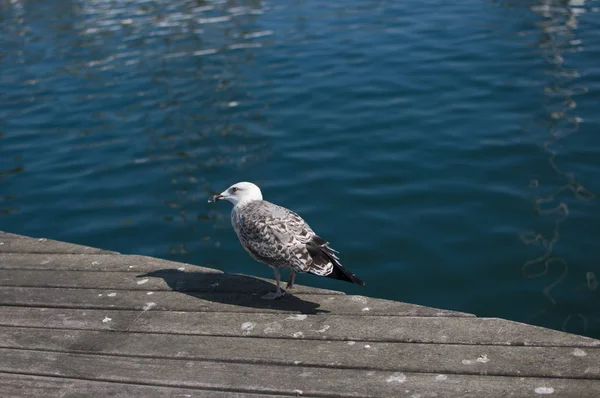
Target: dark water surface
x,y
448,150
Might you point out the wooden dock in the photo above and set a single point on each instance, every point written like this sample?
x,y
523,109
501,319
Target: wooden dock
x,y
77,321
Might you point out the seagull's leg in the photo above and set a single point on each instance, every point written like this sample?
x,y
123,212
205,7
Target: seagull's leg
x,y
290,283
278,293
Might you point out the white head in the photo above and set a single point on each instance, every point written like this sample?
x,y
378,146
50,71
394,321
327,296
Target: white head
x,y
241,192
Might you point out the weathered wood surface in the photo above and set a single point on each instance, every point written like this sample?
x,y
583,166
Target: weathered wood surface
x,y
311,381
165,280
11,243
79,321
427,330
91,262
219,302
26,386
446,358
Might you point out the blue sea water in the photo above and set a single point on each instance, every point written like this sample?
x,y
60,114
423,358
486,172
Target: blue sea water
x,y
448,150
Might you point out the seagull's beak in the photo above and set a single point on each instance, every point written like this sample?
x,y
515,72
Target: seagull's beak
x,y
214,198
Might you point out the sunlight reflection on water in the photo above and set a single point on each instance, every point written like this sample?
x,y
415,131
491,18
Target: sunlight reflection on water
x,y
448,130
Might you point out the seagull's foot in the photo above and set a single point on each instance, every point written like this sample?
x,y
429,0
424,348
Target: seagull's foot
x,y
273,295
289,286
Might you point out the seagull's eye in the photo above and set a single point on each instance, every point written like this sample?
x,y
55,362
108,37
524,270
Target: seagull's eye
x,y
234,190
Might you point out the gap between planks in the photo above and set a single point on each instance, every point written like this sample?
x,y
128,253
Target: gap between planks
x,y
199,291
563,362
446,330
169,300
282,379
17,385
291,338
303,365
167,387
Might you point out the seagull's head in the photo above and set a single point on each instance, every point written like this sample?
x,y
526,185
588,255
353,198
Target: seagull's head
x,y
240,192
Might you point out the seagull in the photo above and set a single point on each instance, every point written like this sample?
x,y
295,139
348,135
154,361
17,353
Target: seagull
x,y
280,238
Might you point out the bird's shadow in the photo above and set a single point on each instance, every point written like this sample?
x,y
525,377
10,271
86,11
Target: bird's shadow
x,y
232,289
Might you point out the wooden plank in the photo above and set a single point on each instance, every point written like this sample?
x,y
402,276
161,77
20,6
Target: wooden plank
x,y
26,386
215,302
7,235
433,358
92,262
185,278
281,379
449,330
9,243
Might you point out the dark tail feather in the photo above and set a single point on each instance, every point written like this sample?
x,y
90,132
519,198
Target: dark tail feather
x,y
339,272
343,274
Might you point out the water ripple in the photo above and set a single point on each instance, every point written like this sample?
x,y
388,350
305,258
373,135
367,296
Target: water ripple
x,y
446,149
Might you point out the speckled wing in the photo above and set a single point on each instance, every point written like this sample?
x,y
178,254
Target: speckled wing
x,y
275,235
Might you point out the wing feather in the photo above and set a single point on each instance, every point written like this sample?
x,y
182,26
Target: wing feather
x,y
274,235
